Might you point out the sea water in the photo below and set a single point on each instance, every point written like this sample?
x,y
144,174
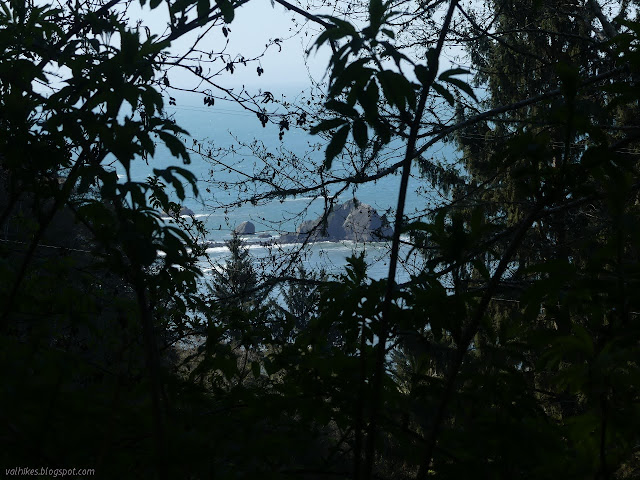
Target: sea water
x,y
221,128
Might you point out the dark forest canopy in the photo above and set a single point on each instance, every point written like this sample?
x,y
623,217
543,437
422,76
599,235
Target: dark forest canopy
x,y
512,354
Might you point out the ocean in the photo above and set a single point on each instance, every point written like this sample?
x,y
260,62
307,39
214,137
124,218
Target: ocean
x,y
237,140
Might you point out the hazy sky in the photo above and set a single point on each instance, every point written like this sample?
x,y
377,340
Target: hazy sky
x,y
255,25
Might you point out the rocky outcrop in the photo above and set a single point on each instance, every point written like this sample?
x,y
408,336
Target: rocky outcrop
x,y
351,220
363,224
245,228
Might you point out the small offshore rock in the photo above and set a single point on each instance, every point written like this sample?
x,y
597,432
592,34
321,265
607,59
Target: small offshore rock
x,y
245,228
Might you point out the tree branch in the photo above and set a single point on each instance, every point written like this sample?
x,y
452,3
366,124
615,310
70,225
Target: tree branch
x,y
395,247
468,335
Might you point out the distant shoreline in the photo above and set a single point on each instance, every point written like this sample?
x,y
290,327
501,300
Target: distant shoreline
x,y
292,239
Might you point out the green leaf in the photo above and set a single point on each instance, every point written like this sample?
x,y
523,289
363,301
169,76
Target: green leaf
x,y
226,7
255,369
360,133
325,125
203,9
336,145
369,102
175,146
464,86
147,144
376,16
335,33
453,71
342,108
396,88
383,131
345,27
168,175
423,74
357,73
432,60
443,92
180,5
270,367
389,33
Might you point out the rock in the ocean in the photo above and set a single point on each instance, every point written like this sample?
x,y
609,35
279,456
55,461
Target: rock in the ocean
x,y
264,235
363,224
290,238
351,220
245,228
186,211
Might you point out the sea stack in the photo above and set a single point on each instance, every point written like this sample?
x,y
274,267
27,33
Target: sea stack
x,y
245,228
352,220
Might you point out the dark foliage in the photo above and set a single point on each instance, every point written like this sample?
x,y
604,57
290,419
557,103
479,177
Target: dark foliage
x,y
512,354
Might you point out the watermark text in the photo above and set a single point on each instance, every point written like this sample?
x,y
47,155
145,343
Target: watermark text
x,y
49,472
